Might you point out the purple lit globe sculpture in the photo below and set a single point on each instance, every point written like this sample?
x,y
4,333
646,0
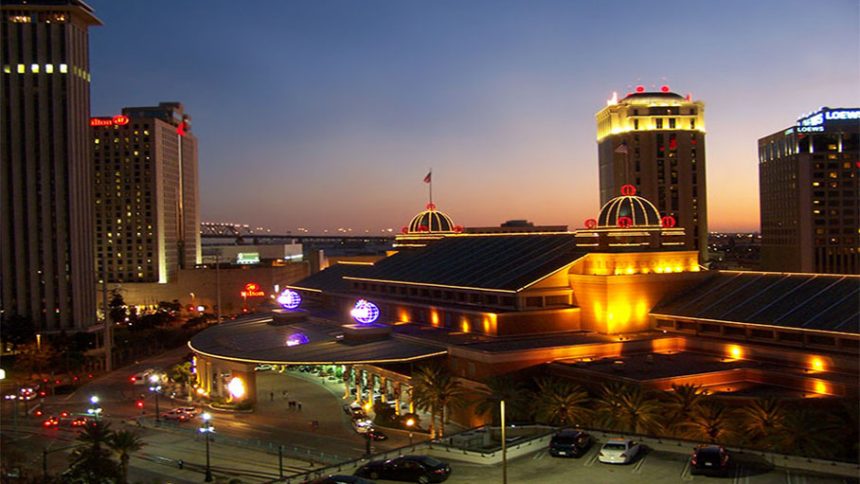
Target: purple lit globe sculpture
x,y
289,299
296,339
365,312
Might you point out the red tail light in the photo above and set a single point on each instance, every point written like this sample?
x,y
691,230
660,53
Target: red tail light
x,y
37,413
139,403
64,414
133,379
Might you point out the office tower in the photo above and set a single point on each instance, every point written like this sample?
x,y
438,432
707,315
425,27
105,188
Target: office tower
x,y
147,220
808,186
46,190
656,142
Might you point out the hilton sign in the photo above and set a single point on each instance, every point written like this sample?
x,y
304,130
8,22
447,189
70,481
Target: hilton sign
x,y
118,120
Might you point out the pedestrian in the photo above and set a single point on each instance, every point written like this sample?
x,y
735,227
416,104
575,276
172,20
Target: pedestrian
x,y
299,404
271,396
181,463
285,394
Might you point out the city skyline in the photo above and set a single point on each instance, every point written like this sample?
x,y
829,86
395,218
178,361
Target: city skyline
x,y
330,116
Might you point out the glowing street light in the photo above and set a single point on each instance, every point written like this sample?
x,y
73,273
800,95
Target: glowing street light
x,y
156,388
410,422
207,429
95,409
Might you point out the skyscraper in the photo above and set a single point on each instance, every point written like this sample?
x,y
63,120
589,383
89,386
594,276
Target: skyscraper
x,y
46,190
656,142
147,220
810,196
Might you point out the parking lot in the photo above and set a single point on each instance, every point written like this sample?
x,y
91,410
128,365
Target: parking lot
x,y
650,467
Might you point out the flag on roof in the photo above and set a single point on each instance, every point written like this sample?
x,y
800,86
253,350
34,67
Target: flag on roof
x,y
428,177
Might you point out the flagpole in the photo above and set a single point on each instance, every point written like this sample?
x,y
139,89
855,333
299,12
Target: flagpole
x,y
431,186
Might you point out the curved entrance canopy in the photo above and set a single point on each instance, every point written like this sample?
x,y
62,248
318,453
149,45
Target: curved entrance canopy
x,y
314,342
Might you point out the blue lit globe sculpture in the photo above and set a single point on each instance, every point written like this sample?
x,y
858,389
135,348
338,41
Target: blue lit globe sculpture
x,y
289,299
365,312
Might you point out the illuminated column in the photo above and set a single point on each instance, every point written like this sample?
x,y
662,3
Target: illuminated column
x,y
411,403
398,393
347,375
383,389
358,384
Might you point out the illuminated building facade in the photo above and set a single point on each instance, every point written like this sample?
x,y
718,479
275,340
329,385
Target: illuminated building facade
x,y
147,217
656,142
619,300
46,203
810,194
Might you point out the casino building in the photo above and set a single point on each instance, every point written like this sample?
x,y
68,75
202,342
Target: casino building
x,y
619,300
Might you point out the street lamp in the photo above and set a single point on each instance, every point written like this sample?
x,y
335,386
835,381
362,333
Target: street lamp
x,y
410,422
155,388
207,429
95,409
504,445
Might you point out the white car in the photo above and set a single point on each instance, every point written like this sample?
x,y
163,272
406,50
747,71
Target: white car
x,y
618,451
362,425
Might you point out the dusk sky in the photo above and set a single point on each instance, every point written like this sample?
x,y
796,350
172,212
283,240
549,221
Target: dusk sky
x,y
327,114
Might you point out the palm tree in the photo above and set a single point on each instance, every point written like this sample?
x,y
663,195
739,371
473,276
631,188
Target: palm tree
x,y
437,391
124,443
762,419
808,433
91,462
629,409
512,391
711,422
560,402
682,403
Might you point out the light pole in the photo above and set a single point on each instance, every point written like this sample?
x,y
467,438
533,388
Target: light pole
x,y
95,409
207,429
504,446
155,388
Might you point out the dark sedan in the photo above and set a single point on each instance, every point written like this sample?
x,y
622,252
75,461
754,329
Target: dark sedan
x,y
710,460
569,443
412,468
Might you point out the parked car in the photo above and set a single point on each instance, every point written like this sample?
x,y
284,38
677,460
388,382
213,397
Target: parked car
x,y
341,479
176,415
375,434
264,367
413,468
710,460
362,425
569,443
190,411
354,411
142,378
51,422
618,451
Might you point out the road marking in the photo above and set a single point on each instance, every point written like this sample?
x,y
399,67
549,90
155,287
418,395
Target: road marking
x,y
593,458
637,468
539,455
740,476
687,474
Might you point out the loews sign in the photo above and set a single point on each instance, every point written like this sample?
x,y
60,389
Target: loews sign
x,y
821,118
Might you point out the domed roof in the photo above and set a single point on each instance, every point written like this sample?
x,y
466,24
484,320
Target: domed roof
x,y
628,210
431,220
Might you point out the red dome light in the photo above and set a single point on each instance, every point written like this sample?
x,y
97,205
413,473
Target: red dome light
x,y
590,223
628,190
640,88
664,88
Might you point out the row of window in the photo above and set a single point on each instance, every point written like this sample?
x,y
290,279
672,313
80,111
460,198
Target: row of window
x,y
46,69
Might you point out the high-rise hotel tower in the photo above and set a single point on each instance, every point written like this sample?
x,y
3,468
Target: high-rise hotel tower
x,y
46,178
147,217
656,142
809,186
